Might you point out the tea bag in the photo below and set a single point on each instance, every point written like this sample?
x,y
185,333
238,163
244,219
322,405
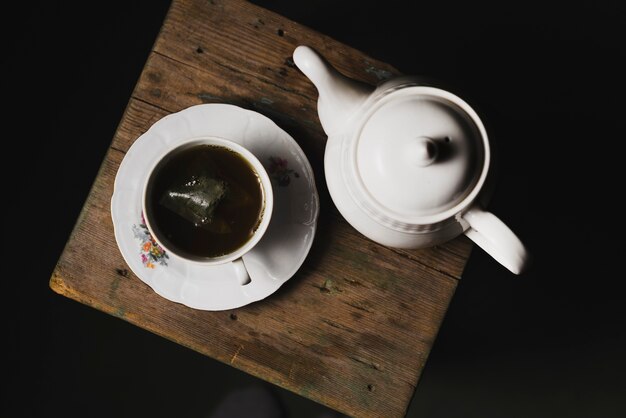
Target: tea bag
x,y
196,201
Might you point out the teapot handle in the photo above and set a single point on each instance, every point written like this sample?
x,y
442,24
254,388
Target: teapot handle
x,y
497,239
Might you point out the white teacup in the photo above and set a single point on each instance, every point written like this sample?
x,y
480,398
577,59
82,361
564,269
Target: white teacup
x,y
266,212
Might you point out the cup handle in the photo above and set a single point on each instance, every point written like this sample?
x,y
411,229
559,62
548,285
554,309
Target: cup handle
x,y
497,239
242,272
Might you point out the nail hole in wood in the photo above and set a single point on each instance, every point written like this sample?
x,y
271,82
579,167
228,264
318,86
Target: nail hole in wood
x,y
199,50
233,316
280,32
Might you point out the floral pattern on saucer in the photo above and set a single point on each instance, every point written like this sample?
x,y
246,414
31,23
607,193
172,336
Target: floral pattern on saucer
x,y
151,252
280,172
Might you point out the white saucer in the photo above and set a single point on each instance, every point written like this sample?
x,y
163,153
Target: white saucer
x,y
278,255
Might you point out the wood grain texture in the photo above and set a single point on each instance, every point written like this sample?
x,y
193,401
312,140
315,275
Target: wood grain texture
x,y
353,328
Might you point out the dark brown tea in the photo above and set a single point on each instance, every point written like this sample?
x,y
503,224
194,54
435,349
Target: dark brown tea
x,y
205,201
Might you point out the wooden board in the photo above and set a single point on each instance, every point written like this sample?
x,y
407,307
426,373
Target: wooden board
x,y
353,328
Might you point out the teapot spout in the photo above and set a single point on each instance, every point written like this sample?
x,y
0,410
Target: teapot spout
x,y
339,96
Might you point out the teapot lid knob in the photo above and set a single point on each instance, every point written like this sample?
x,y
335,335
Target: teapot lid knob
x,y
425,150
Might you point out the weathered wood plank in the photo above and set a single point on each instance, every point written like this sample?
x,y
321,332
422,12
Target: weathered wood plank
x,y
248,39
353,328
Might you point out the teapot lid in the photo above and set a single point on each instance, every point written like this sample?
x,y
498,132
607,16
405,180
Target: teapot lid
x,y
419,153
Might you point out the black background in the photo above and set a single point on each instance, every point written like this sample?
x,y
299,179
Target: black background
x,y
547,80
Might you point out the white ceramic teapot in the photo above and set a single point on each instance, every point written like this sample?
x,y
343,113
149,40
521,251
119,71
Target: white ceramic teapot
x,y
406,163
